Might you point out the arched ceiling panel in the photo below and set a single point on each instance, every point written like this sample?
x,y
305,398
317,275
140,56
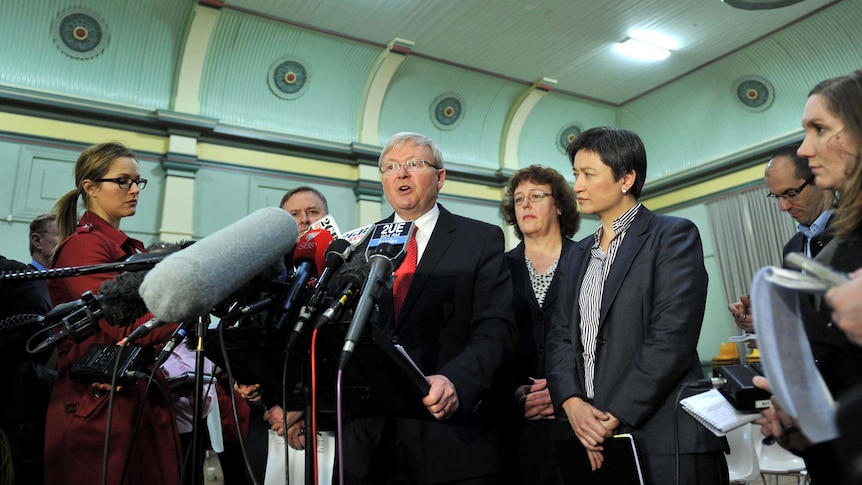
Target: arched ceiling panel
x,y
81,47
473,139
271,75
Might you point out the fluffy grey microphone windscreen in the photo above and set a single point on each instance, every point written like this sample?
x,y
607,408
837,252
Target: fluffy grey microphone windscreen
x,y
189,283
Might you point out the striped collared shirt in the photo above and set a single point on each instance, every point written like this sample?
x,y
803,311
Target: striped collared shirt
x,y
590,299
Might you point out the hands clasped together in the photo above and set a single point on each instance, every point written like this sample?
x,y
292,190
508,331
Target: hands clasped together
x,y
275,417
591,426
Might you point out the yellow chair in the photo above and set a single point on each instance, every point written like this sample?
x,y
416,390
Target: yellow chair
x,y
728,353
754,356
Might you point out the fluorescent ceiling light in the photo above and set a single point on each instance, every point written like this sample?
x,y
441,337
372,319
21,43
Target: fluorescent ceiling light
x,y
642,50
654,38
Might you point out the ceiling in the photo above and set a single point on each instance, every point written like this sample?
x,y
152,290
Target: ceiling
x,y
570,41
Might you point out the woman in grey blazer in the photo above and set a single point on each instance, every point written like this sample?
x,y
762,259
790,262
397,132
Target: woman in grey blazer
x,y
623,341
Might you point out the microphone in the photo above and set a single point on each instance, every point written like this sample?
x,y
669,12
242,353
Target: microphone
x,y
336,254
118,301
309,257
388,242
135,262
145,329
176,338
120,294
357,236
189,283
326,222
350,283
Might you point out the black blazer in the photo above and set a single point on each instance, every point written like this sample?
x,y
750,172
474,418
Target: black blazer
x,y
456,321
651,314
838,360
533,321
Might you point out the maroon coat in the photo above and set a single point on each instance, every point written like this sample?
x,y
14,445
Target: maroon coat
x,y
77,416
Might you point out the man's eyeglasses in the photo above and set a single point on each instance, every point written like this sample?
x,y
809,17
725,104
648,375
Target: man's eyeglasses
x,y
792,193
125,183
534,196
391,168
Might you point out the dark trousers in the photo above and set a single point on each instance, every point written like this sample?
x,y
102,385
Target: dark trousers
x,y
699,469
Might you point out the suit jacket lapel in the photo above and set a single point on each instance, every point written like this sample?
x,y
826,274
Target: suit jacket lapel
x,y
553,289
581,257
439,243
520,277
635,237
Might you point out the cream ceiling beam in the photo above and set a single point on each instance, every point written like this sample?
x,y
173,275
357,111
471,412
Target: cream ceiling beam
x,y
516,119
368,193
180,162
375,89
191,70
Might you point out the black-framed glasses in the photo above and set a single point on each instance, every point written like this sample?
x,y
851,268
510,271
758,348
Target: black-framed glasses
x,y
534,196
125,183
792,193
412,165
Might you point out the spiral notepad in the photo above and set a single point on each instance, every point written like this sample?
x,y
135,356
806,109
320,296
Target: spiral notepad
x,y
715,412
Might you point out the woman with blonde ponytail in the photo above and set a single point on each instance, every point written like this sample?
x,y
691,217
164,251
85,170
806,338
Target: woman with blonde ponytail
x,y
108,184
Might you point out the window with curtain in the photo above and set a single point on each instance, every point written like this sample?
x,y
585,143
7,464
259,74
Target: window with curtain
x,y
749,230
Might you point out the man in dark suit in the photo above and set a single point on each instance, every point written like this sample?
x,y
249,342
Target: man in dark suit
x,y
455,322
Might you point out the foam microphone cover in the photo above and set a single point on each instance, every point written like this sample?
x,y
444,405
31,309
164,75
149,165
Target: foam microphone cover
x,y
121,300
189,283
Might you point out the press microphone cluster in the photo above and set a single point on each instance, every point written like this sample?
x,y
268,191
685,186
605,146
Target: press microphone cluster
x,y
388,242
337,253
327,263
350,282
334,256
189,283
309,258
184,284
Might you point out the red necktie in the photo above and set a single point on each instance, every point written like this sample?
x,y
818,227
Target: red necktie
x,y
404,274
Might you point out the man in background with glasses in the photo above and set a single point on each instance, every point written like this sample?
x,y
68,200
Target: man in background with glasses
x,y
454,318
791,185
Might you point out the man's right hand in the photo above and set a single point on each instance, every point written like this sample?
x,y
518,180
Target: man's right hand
x,y
741,311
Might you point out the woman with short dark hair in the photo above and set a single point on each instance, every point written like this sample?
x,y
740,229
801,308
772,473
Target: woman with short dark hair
x,y
623,342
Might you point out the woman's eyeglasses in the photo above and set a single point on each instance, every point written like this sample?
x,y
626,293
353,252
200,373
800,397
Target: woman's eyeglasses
x,y
125,183
534,196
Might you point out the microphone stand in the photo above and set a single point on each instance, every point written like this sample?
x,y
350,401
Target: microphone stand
x,y
135,262
197,464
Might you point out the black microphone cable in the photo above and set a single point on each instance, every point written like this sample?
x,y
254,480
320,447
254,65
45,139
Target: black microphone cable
x,y
713,383
231,383
178,451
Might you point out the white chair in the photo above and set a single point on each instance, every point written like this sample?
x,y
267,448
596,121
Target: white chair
x,y
742,460
776,461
